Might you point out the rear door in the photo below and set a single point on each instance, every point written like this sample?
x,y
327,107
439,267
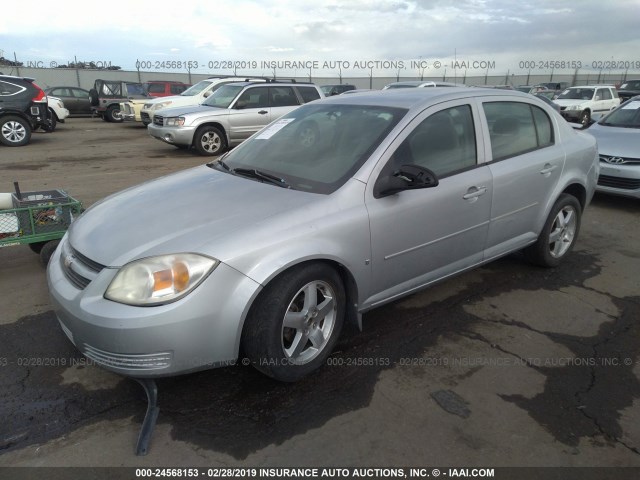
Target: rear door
x,y
525,163
283,100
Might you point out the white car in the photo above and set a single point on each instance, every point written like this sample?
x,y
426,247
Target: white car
x,y
580,103
57,110
192,96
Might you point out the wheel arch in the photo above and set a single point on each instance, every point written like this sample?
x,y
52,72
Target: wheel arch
x,y
579,191
352,317
215,124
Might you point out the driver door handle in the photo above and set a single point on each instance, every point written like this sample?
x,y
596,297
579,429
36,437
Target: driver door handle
x,y
263,112
474,192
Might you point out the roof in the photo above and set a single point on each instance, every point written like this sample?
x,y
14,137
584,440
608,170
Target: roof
x,y
419,97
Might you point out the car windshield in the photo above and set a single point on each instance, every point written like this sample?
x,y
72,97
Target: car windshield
x,y
317,147
223,96
627,116
196,89
576,94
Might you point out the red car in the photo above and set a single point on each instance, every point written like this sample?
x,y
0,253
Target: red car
x,y
161,88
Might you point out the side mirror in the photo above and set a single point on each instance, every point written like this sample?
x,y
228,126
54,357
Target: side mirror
x,y
407,177
598,98
206,94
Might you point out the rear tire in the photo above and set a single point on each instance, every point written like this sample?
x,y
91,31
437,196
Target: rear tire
x,y
559,233
14,131
113,114
295,322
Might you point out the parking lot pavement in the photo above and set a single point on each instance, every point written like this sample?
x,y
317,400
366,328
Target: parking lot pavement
x,y
508,365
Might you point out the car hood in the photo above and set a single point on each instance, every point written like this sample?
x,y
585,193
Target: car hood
x,y
191,211
173,98
616,141
195,110
565,102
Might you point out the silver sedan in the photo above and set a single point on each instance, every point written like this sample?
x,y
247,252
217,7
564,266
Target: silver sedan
x,y
334,209
618,136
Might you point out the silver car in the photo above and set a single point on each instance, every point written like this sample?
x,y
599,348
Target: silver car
x,y
618,136
334,209
230,115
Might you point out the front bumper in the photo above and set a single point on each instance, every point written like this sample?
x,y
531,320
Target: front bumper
x,y
199,331
172,135
619,179
571,114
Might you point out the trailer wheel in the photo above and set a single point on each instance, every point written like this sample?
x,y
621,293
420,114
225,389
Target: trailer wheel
x,y
47,251
37,246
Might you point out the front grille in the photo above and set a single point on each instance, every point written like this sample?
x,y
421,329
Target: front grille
x,y
619,160
151,361
145,117
619,182
78,269
562,109
127,110
158,120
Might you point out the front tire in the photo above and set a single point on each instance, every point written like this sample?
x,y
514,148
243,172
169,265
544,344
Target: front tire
x,y
559,233
585,118
295,322
14,131
210,141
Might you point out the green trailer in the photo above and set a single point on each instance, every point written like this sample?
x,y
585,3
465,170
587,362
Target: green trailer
x,y
37,219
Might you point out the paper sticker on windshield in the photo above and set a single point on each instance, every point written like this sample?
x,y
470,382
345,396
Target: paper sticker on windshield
x,y
274,128
632,105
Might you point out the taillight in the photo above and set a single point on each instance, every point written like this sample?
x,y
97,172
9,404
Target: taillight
x,y
40,96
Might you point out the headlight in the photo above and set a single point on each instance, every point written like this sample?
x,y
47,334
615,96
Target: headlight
x,y
174,121
159,280
574,107
147,106
158,106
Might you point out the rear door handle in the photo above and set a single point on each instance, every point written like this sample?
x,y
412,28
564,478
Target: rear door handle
x,y
548,168
474,192
263,112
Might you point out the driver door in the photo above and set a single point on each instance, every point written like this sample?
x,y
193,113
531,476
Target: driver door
x,y
419,236
249,113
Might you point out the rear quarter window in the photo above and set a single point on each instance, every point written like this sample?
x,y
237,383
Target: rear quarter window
x,y
7,88
308,94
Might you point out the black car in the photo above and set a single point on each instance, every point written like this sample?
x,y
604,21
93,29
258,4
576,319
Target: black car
x,y
75,99
330,90
23,108
629,89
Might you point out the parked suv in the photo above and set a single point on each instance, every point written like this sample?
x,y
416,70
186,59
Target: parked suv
x,y
23,108
231,114
579,103
106,96
164,88
194,95
629,89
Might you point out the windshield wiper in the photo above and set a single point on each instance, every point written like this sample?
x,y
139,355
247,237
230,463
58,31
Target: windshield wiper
x,y
257,174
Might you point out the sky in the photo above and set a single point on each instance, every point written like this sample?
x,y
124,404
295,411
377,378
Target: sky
x,y
354,37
